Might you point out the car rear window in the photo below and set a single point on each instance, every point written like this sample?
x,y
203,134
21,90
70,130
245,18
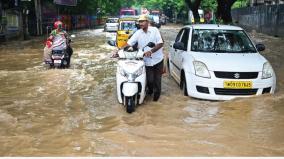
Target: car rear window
x,y
112,20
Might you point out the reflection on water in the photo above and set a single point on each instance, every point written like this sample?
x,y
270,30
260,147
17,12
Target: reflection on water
x,y
74,112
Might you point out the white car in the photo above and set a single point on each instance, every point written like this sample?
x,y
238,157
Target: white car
x,y
219,62
111,24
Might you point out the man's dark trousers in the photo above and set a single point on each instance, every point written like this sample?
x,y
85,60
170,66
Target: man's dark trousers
x,y
154,79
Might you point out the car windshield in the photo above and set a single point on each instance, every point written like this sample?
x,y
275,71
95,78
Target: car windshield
x,y
221,41
112,20
128,25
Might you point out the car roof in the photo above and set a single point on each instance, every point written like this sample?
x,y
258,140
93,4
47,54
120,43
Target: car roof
x,y
213,26
128,19
112,18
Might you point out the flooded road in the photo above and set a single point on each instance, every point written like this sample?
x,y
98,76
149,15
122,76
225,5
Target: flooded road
x,y
75,112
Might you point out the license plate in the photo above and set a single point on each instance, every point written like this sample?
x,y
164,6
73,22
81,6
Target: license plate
x,y
57,61
238,84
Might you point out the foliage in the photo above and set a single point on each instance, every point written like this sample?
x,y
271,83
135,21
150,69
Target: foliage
x,y
209,5
241,3
169,7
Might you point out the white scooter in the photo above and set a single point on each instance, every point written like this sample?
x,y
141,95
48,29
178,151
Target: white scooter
x,y
131,77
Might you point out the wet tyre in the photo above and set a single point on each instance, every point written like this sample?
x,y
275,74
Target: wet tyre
x,y
130,104
169,69
184,88
183,85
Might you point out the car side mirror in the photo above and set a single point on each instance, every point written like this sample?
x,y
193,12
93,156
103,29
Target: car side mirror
x,y
179,46
260,47
151,44
111,43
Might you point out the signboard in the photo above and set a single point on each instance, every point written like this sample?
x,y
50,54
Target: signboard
x,y
66,2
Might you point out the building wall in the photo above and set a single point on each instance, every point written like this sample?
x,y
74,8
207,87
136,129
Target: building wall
x,y
10,19
268,19
2,26
11,25
265,2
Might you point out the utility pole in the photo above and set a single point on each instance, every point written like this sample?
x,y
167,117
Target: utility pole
x,y
1,17
37,17
2,33
40,17
0,12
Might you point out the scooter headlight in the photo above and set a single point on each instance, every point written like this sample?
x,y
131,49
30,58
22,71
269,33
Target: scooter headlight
x,y
139,72
130,76
267,70
122,72
133,76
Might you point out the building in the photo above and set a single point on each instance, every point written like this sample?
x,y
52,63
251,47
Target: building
x,y
10,19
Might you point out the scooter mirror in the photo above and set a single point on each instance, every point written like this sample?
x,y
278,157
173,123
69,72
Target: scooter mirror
x,y
151,44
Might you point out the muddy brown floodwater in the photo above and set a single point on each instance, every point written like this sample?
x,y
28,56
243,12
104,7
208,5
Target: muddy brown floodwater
x,y
74,112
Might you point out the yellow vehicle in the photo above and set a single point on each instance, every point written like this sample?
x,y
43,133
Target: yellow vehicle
x,y
127,26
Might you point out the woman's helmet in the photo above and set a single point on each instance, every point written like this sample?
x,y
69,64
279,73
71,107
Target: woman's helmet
x,y
58,25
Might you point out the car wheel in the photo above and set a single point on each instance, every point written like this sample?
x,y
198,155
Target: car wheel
x,y
183,85
169,68
168,65
184,88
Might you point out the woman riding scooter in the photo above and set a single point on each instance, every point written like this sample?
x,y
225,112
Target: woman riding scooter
x,y
55,34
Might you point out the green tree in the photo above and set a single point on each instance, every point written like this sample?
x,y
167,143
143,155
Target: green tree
x,y
194,5
223,8
209,5
171,7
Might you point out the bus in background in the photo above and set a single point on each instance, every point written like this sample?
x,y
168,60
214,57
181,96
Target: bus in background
x,y
128,12
191,17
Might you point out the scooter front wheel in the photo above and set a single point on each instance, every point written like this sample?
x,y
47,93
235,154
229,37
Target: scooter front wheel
x,y
130,104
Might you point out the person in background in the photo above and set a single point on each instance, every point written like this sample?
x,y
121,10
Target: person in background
x,y
233,43
55,34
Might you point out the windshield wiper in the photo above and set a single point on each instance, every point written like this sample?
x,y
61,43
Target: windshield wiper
x,y
220,51
247,51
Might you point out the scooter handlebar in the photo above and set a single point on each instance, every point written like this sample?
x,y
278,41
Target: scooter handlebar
x,y
121,54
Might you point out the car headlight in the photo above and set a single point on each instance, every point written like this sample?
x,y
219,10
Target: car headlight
x,y
201,69
267,70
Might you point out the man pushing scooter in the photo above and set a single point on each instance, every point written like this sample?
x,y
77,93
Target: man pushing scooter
x,y
153,57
